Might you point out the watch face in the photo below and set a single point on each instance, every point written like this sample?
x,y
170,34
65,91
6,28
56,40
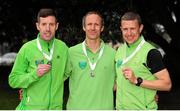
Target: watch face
x,y
139,81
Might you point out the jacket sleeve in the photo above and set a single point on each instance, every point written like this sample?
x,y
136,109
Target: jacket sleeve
x,y
19,76
68,69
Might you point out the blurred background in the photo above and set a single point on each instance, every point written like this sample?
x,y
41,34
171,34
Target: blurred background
x,y
161,19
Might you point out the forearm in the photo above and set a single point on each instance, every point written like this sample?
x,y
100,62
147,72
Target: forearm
x,y
159,85
22,80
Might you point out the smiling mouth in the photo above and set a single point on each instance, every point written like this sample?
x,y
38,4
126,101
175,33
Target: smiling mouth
x,y
47,34
129,37
92,33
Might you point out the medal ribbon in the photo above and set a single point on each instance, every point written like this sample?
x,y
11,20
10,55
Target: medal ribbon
x,y
92,66
48,57
136,50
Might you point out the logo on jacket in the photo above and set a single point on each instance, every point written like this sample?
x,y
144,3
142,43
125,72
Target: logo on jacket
x,y
82,64
37,62
119,63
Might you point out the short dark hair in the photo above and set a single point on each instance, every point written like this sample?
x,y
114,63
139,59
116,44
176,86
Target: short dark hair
x,y
131,16
44,12
92,12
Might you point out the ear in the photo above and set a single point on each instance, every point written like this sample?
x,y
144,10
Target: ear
x,y
84,28
37,26
102,28
57,25
141,28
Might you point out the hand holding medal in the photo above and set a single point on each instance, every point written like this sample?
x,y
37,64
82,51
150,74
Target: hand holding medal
x,y
42,69
129,75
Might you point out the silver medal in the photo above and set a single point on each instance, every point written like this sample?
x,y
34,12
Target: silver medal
x,y
92,65
92,74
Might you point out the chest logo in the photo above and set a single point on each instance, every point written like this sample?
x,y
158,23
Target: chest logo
x,y
119,63
82,64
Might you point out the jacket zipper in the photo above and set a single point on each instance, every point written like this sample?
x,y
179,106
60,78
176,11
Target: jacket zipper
x,y
49,104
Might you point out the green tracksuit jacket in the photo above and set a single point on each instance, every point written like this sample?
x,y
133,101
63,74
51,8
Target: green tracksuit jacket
x,y
44,92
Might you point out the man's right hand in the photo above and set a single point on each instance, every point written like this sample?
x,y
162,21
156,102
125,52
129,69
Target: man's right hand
x,y
20,94
156,98
42,69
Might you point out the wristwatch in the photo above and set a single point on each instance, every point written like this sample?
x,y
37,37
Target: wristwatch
x,y
139,81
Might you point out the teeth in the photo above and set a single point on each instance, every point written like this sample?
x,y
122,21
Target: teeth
x,y
47,34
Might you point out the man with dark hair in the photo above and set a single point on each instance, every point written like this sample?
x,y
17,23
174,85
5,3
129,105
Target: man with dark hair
x,y
91,69
139,67
39,67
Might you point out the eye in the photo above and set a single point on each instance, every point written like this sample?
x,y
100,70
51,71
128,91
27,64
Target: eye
x,y
43,24
96,24
89,24
52,24
124,29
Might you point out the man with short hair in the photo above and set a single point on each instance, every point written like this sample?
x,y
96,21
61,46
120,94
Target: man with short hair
x,y
139,67
91,69
39,67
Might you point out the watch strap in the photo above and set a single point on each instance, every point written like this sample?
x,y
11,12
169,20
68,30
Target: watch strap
x,y
139,81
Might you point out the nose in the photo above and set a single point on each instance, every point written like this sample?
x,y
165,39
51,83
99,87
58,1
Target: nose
x,y
93,27
48,27
129,32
